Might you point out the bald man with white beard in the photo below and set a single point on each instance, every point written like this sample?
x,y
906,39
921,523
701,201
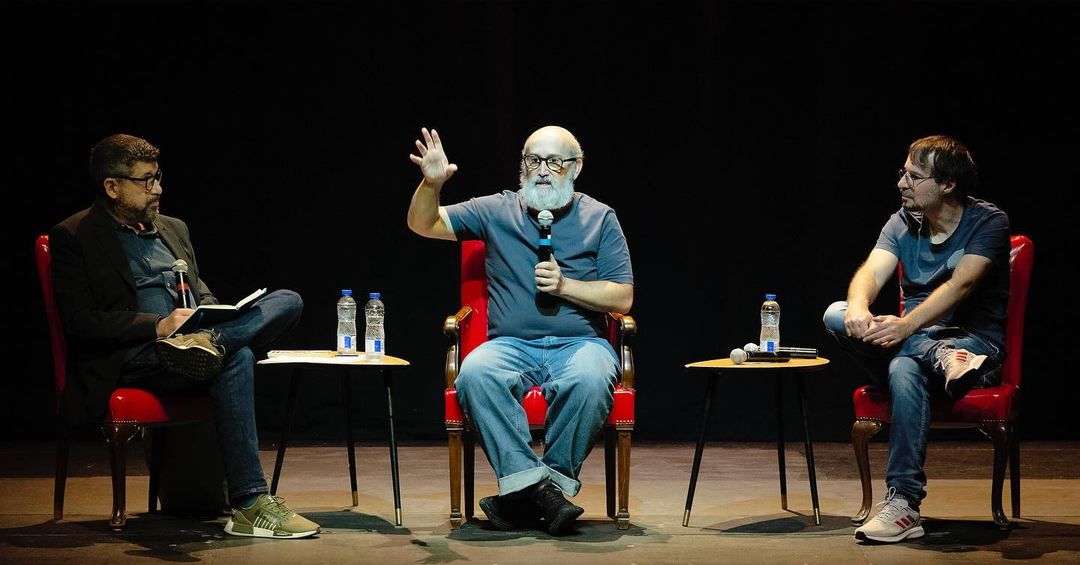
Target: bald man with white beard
x,y
561,348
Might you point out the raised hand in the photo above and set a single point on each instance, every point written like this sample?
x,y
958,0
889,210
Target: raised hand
x,y
432,159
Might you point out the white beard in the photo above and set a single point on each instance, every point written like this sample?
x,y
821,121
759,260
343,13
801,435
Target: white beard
x,y
554,197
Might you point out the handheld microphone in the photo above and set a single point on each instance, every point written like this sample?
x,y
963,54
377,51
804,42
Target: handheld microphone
x,y
544,301
184,299
545,251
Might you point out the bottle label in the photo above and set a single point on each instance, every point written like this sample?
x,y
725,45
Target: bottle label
x,y
348,342
373,346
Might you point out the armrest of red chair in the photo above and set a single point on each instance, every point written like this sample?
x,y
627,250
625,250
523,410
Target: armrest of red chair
x,y
622,330
452,327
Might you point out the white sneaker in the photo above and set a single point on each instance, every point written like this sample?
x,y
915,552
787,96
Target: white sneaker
x,y
960,367
894,522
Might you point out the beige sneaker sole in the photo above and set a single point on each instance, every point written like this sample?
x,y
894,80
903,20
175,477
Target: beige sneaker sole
x,y
232,528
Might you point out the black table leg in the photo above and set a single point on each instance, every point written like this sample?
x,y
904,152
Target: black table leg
x,y
705,412
388,381
346,391
780,440
799,382
290,408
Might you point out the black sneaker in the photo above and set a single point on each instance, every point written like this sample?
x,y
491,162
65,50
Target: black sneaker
x,y
510,512
558,513
193,355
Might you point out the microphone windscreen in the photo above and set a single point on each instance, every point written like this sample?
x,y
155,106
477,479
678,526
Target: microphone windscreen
x,y
545,218
179,266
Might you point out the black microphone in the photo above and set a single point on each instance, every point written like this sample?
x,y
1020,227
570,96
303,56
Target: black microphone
x,y
184,298
544,301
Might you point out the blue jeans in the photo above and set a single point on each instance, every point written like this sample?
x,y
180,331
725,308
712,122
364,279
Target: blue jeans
x,y
577,377
912,378
232,391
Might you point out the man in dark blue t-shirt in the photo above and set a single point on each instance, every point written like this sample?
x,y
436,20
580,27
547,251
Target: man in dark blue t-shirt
x,y
545,321
954,254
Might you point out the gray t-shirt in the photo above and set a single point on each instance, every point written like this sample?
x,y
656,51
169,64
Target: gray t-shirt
x,y
983,231
588,244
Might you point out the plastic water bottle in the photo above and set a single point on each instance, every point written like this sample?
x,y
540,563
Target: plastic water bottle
x,y
374,335
770,324
346,324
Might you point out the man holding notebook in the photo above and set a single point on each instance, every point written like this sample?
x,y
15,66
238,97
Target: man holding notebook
x,y
116,289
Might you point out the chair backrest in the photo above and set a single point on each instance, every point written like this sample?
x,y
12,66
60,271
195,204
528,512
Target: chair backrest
x,y
474,293
1021,260
56,330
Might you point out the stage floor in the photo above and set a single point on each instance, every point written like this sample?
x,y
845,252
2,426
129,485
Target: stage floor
x,y
736,514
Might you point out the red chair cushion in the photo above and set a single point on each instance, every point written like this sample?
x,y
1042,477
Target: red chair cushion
x,y
144,407
993,403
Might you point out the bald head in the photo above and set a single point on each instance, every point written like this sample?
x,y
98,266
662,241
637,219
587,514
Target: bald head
x,y
553,140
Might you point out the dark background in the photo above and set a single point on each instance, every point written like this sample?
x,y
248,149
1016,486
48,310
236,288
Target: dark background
x,y
748,147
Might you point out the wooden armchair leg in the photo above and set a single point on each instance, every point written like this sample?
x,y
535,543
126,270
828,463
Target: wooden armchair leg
x,y
861,432
622,519
469,442
609,469
60,481
1014,470
455,478
998,433
118,434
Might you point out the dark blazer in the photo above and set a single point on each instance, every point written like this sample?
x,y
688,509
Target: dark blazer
x,y
96,297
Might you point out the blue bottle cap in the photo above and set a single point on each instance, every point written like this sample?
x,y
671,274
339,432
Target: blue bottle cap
x,y
346,292
770,297
374,295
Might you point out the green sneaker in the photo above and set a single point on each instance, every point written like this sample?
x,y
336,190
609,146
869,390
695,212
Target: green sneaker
x,y
268,517
194,355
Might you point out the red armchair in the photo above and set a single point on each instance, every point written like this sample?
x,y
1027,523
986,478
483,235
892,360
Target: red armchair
x,y
130,411
992,410
467,329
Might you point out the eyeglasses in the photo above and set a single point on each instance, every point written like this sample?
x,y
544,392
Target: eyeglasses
x,y
147,182
911,180
555,164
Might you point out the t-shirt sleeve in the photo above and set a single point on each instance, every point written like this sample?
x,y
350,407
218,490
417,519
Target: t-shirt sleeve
x,y
889,239
613,258
468,219
991,238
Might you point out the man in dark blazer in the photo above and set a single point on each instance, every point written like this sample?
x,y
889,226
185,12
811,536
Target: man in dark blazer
x,y
117,294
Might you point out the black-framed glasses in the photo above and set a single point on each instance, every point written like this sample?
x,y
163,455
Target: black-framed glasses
x,y
147,182
554,163
911,180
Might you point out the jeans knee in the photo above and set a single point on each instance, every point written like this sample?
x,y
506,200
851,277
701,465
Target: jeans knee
x,y
834,316
241,358
475,378
593,387
291,301
905,376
